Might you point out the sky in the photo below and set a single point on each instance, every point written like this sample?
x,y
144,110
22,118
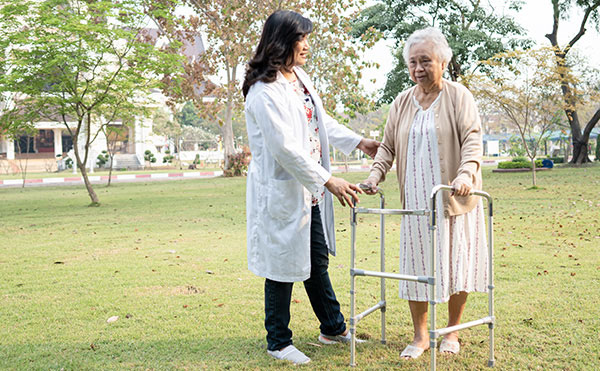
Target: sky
x,y
535,17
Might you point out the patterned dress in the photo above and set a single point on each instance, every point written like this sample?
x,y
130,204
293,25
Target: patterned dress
x,y
462,259
313,132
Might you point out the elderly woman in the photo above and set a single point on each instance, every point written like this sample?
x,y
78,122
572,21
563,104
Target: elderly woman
x,y
433,130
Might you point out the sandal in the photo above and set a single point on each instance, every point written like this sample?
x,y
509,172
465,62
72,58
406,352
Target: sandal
x,y
411,352
449,346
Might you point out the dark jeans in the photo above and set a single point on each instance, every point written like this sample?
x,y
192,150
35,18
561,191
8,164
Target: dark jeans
x,y
278,295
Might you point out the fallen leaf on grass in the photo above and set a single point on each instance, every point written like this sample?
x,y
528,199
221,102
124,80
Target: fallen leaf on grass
x,y
220,305
112,319
93,347
128,316
59,262
314,345
572,274
296,301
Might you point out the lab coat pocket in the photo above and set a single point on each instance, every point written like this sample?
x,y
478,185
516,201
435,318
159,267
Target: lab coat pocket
x,y
284,198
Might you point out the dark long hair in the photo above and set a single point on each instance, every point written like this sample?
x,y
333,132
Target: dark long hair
x,y
280,32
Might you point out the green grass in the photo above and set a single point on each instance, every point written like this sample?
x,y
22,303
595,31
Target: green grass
x,y
169,258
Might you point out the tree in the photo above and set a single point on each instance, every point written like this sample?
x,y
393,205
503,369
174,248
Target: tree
x,y
523,87
232,29
81,62
474,29
591,14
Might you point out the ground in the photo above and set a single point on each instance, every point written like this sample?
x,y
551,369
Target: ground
x,y
169,259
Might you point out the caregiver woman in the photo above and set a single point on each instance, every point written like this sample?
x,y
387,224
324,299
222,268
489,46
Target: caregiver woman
x,y
290,225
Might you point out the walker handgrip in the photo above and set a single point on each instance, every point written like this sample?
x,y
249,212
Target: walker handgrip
x,y
447,188
366,187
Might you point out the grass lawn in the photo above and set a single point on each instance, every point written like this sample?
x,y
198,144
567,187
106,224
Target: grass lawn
x,y
169,259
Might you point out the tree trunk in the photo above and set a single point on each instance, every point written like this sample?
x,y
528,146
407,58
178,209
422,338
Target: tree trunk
x,y
533,172
110,169
84,174
227,133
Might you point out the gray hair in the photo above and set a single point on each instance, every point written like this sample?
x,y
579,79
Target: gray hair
x,y
431,34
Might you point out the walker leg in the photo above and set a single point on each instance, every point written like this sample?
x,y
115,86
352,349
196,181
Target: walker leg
x,y
382,257
352,297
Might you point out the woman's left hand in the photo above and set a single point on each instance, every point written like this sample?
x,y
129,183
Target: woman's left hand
x,y
461,187
368,146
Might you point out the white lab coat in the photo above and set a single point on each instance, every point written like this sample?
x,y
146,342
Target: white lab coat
x,y
282,176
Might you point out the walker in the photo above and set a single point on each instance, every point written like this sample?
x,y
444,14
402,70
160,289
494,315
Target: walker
x,y
434,333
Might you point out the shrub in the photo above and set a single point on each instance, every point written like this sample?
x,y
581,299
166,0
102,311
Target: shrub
x,y
557,160
102,159
514,165
149,157
168,158
520,159
522,164
238,163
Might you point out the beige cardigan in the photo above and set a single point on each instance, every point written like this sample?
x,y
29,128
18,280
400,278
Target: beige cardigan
x,y
458,129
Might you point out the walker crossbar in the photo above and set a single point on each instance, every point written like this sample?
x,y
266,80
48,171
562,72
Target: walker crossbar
x,y
462,326
429,280
362,210
375,307
394,276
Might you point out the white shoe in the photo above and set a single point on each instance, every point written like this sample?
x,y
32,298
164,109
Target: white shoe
x,y
290,353
327,339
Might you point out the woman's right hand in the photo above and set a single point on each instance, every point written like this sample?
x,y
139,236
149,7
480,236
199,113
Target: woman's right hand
x,y
372,186
343,190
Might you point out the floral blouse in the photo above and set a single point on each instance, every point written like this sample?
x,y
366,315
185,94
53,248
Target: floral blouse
x,y
313,131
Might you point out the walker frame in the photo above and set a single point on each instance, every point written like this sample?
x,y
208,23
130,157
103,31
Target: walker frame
x,y
434,333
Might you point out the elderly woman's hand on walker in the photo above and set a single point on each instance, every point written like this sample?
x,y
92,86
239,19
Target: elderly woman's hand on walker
x,y
372,186
461,187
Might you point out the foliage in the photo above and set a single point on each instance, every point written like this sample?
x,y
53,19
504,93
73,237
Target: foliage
x,y
520,159
516,146
102,159
149,157
524,89
474,29
514,164
232,29
69,163
557,160
81,63
167,158
239,163
519,163
563,10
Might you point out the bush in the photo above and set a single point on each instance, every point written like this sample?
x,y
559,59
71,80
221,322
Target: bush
x,y
514,165
557,160
168,158
102,159
520,159
238,163
522,164
149,157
